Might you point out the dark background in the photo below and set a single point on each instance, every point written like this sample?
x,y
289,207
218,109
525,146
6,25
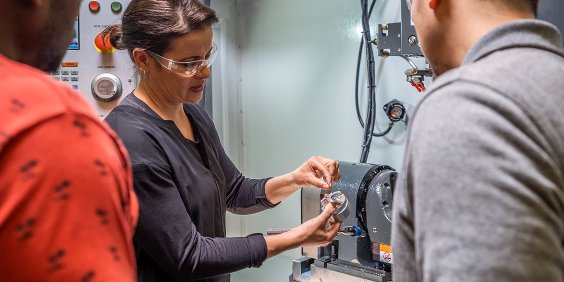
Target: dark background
x,y
552,11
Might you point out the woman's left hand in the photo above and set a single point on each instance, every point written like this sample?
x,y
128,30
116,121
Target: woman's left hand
x,y
317,171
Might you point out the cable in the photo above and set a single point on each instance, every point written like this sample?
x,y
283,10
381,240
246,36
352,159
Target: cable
x,y
385,132
371,107
371,8
358,63
366,138
371,113
413,65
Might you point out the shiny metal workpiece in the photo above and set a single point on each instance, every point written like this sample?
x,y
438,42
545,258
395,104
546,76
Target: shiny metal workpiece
x,y
343,210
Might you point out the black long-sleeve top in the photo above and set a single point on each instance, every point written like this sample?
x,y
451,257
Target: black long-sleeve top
x,y
184,189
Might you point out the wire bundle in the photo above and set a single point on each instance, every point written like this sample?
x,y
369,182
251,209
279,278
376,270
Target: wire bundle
x,y
365,43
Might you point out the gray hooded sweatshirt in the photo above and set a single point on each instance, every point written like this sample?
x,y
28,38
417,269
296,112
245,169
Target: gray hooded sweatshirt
x,y
481,196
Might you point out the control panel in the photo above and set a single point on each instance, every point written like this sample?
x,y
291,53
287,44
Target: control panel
x,y
101,73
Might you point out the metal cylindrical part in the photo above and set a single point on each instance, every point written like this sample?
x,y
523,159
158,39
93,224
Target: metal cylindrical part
x,y
275,231
343,210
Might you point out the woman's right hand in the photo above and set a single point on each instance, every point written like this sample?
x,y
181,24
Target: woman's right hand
x,y
313,231
310,233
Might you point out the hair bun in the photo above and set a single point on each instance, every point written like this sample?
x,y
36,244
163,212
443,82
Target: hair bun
x,y
115,33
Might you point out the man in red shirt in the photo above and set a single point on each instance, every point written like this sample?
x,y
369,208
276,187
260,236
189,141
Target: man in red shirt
x,y
67,208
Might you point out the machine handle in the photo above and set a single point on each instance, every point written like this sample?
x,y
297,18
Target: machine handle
x,y
274,231
354,231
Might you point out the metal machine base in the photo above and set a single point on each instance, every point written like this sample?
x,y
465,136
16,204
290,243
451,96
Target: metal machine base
x,y
324,270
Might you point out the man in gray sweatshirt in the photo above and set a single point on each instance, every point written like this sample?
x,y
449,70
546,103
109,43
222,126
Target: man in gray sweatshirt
x,y
481,196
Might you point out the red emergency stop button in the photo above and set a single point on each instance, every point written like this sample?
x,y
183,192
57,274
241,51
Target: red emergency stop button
x,y
103,45
94,6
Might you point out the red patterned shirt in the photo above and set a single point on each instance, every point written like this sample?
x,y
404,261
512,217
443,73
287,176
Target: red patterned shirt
x,y
67,207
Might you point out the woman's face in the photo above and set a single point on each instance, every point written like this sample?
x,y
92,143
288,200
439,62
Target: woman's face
x,y
179,88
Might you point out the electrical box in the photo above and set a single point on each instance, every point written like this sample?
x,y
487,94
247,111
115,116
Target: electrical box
x,y
100,73
399,39
409,42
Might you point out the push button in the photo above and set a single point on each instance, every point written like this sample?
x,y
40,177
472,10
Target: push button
x,y
106,87
94,6
69,64
116,7
103,45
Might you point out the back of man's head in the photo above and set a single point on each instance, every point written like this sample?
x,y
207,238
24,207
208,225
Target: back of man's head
x,y
37,32
447,29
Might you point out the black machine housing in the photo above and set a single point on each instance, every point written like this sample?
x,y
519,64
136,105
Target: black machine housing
x,y
369,190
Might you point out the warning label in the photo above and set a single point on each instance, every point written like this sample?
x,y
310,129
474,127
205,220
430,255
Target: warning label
x,y
386,254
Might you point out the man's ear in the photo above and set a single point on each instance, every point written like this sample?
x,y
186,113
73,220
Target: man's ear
x,y
433,4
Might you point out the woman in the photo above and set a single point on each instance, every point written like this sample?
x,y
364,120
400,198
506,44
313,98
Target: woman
x,y
184,180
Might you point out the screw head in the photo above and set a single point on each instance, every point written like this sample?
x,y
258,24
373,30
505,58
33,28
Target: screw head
x,y
412,40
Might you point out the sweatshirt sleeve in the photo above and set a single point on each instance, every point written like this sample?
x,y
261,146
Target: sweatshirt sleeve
x,y
480,197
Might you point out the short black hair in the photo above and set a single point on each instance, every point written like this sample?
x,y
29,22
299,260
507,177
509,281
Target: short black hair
x,y
533,5
524,5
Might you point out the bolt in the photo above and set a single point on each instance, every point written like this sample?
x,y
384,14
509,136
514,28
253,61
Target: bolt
x,y
412,40
385,53
374,230
385,27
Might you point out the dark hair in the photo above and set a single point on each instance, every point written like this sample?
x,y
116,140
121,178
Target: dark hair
x,y
529,5
535,6
153,24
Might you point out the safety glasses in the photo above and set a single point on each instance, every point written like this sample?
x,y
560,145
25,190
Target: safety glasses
x,y
187,69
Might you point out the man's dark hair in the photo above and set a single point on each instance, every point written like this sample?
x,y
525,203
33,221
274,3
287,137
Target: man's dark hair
x,y
526,5
153,24
533,5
